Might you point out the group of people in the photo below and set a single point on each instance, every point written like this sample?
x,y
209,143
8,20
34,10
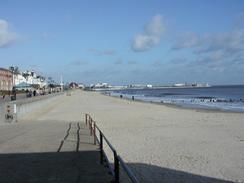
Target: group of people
x,y
11,94
29,93
3,95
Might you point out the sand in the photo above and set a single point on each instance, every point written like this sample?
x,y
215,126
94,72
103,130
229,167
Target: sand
x,y
162,143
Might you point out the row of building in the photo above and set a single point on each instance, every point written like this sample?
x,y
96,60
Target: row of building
x,y
10,79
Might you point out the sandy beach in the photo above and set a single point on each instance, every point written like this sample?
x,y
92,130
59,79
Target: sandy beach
x,y
162,143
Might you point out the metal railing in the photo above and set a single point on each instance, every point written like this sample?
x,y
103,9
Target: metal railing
x,y
118,162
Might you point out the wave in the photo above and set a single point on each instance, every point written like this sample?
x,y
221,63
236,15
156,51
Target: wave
x,y
204,102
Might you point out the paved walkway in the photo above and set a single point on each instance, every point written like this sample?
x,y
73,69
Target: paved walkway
x,y
35,150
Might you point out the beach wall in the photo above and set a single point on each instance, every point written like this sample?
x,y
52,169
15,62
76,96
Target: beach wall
x,y
22,107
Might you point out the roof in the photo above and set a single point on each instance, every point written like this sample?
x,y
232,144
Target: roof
x,y
4,69
23,84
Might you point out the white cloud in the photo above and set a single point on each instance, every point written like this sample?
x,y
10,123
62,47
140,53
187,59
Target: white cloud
x,y
228,41
6,36
151,35
215,50
188,40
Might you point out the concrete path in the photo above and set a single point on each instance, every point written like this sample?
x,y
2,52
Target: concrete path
x,y
51,145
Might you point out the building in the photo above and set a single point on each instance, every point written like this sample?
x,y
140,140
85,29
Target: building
x,y
19,78
102,85
34,79
6,80
73,85
81,85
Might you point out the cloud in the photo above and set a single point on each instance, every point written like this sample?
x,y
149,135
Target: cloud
x,y
188,40
78,62
6,36
107,52
215,50
229,41
151,35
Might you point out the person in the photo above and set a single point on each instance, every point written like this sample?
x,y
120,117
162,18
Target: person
x,y
3,94
121,96
30,93
13,97
34,93
27,93
133,98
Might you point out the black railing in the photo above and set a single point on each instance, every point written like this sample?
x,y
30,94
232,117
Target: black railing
x,y
118,162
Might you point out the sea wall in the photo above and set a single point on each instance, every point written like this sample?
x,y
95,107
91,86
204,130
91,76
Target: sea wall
x,y
22,107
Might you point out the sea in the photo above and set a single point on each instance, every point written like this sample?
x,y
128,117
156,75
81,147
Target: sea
x,y
225,98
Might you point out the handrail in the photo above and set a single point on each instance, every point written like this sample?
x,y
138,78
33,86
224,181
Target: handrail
x,y
117,159
127,170
109,144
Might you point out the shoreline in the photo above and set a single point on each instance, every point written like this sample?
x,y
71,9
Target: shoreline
x,y
175,105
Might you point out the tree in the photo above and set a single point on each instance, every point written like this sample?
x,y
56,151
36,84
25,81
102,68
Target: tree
x,y
11,68
25,75
16,70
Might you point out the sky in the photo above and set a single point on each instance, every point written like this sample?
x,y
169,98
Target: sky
x,y
125,42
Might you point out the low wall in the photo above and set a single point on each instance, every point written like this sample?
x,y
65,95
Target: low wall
x,y
21,107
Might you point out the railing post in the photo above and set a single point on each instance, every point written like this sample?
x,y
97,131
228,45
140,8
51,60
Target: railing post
x,y
91,128
116,168
94,133
101,147
89,123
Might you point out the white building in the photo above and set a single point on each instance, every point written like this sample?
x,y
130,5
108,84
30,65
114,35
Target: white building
x,y
81,85
102,85
33,78
19,78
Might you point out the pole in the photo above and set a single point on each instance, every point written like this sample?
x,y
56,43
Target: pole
x,y
116,167
101,147
94,133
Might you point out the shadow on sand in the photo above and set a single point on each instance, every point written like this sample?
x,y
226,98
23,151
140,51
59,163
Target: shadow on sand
x,y
52,167
75,167
166,175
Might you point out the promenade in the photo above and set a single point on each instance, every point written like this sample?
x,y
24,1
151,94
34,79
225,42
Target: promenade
x,y
7,98
50,145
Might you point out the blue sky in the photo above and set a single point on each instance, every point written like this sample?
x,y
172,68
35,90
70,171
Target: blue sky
x,y
124,42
